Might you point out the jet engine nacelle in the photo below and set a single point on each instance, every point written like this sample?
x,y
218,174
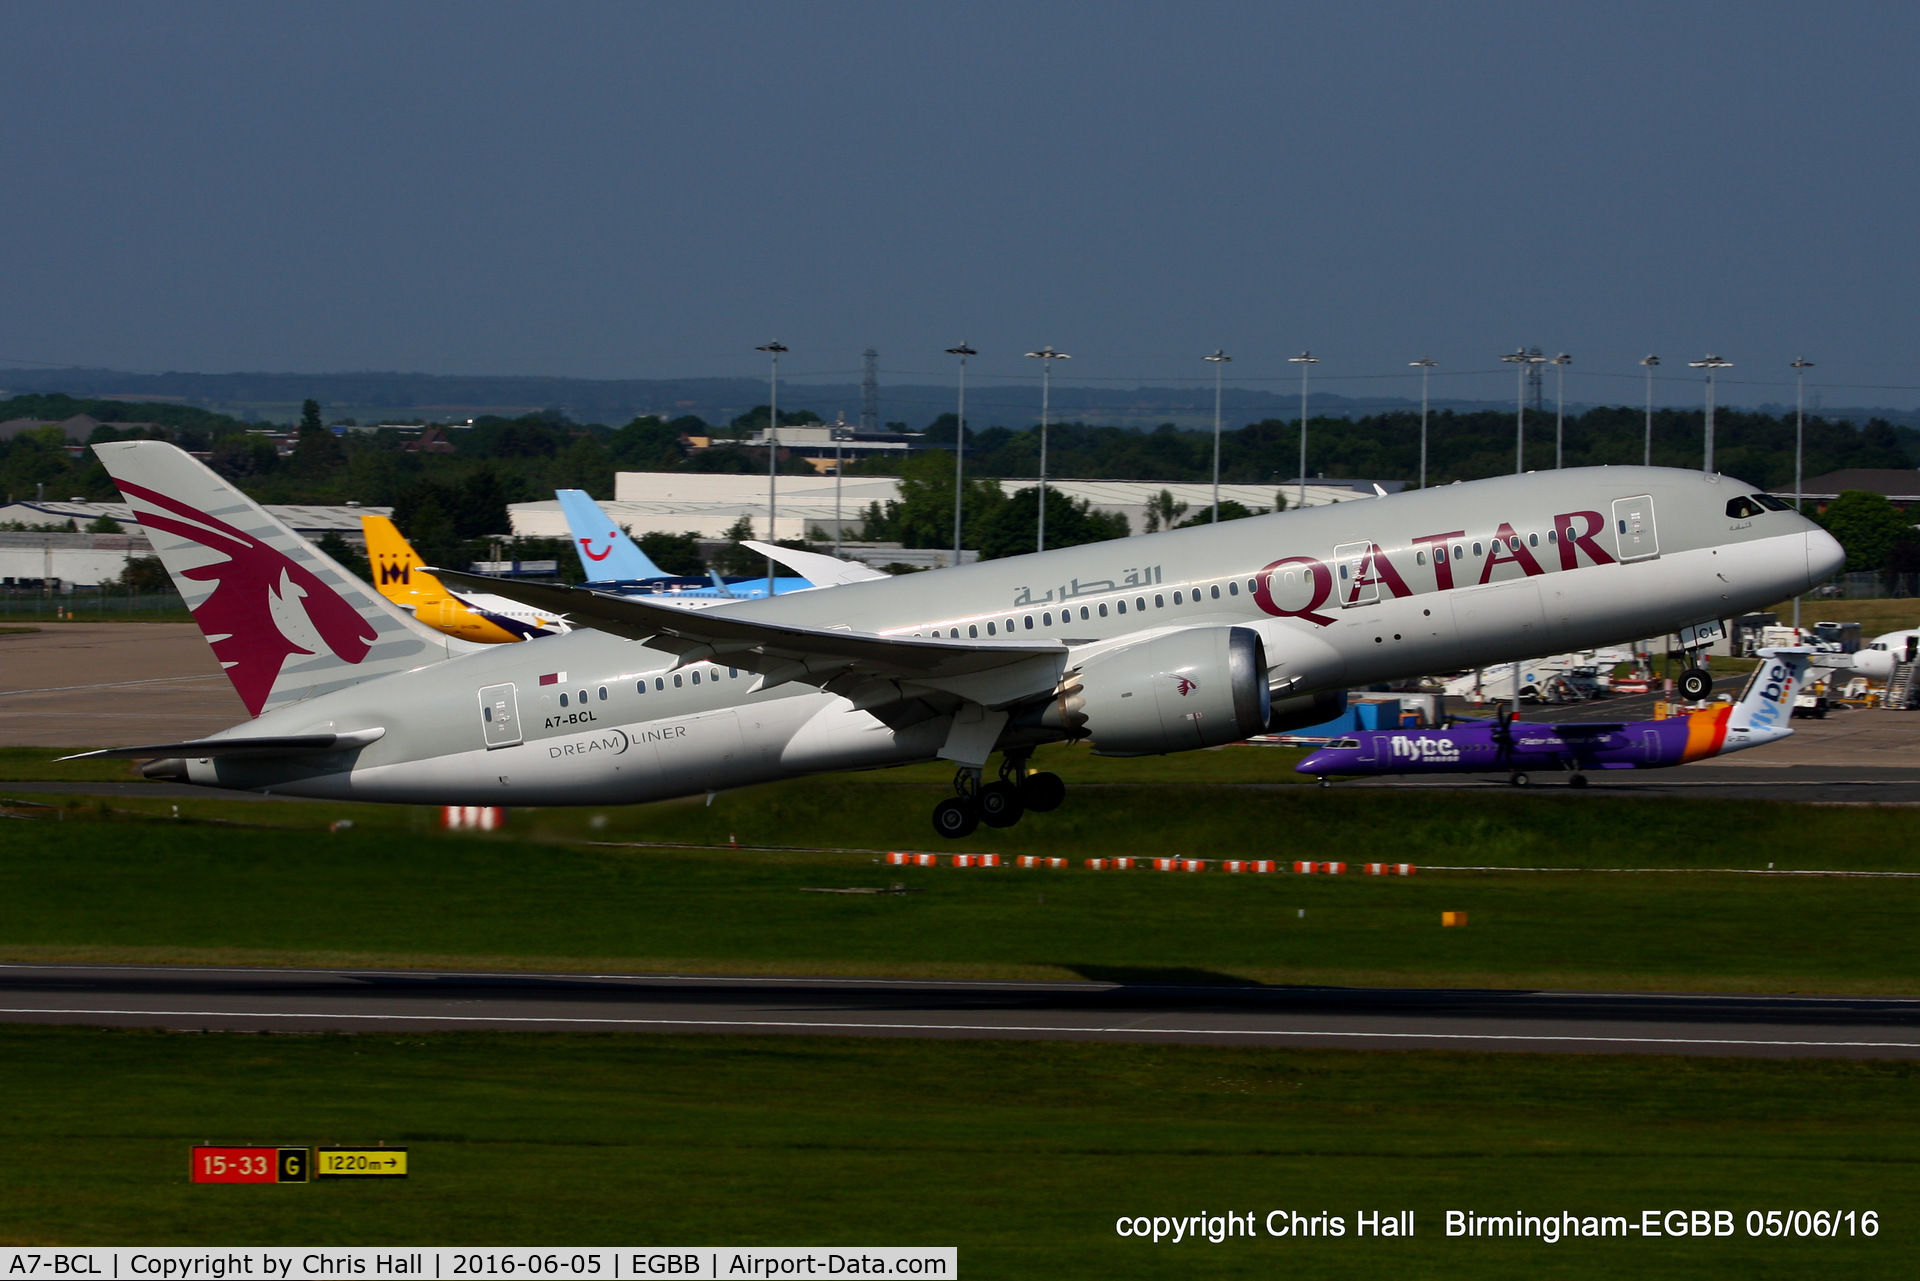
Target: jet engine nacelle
x,y
1199,687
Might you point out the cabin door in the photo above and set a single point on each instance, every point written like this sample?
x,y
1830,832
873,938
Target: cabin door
x,y
1357,583
1633,528
500,716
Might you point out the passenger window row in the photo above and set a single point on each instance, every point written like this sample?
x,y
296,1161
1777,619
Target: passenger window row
x,y
1026,622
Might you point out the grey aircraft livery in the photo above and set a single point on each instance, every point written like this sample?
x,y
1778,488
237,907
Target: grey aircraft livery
x,y
1161,643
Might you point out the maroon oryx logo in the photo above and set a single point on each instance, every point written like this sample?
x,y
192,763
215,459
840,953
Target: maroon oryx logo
x,y
1184,685
265,607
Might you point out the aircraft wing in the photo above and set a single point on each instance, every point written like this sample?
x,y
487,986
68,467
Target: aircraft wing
x,y
818,569
860,665
284,745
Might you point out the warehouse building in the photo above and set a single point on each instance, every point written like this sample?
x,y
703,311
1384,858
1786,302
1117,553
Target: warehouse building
x,y
708,504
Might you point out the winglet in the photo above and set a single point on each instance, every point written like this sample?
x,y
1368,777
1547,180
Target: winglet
x,y
816,568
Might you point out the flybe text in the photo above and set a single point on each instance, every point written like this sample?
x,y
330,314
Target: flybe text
x,y
1426,749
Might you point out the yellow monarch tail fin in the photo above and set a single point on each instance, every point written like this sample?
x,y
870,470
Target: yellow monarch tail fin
x,y
398,571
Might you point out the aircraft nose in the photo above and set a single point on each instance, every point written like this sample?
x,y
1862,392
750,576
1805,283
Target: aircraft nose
x,y
1825,556
1311,765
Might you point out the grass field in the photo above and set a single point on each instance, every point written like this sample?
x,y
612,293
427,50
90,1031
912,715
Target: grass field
x,y
1022,1154
1874,616
98,886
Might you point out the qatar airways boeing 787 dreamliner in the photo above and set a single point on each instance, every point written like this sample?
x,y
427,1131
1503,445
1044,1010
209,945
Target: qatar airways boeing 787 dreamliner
x,y
1162,643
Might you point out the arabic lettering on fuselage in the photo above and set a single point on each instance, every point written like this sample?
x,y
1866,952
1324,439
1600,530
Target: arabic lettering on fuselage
x,y
1131,579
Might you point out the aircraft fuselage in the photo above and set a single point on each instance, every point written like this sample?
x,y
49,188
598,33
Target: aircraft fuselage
x,y
1459,576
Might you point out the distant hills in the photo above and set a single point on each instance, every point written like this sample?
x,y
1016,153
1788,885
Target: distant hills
x,y
371,397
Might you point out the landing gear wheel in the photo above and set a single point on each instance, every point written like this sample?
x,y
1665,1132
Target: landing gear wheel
x,y
954,818
1695,684
1042,793
1520,780
1578,780
1000,805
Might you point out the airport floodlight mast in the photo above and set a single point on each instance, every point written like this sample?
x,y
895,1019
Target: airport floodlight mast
x,y
839,472
1560,364
1652,362
1712,364
1425,366
1219,361
1800,368
1519,360
870,391
1306,360
959,442
1046,356
773,350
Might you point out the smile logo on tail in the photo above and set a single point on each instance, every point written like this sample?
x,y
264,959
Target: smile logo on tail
x,y
1184,685
265,607
586,545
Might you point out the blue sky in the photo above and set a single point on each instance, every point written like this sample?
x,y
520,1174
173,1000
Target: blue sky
x,y
652,190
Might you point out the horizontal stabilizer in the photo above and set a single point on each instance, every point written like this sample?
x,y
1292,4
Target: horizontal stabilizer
x,y
284,745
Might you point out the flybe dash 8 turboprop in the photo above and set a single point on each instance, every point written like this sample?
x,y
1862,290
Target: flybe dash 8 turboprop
x,y
1161,643
1762,714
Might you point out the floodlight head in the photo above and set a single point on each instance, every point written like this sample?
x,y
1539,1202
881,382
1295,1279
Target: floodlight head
x,y
774,348
1801,364
962,350
1651,361
1218,357
1515,358
1425,362
1304,358
1710,363
1562,359
1048,353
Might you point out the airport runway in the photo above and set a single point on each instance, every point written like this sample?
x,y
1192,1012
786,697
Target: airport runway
x,y
308,1001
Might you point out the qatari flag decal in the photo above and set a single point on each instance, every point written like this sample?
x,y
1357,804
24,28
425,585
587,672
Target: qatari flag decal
x,y
553,678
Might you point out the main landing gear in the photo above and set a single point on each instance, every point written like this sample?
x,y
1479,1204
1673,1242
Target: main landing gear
x,y
1695,684
1000,803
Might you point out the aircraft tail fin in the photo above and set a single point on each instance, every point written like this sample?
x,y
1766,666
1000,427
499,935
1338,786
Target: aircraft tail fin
x,y
1766,705
284,619
605,550
398,572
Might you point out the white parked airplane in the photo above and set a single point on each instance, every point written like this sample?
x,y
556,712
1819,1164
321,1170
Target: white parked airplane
x,y
1876,659
1162,643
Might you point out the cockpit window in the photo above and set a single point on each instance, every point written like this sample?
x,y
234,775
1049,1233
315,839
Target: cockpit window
x,y
1344,742
1772,504
1743,507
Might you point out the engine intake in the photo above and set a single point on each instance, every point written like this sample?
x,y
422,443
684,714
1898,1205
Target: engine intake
x,y
1199,687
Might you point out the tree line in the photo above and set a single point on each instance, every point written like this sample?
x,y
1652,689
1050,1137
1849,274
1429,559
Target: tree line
x,y
449,502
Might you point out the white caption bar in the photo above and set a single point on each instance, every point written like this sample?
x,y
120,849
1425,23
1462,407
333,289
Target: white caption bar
x,y
443,1263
